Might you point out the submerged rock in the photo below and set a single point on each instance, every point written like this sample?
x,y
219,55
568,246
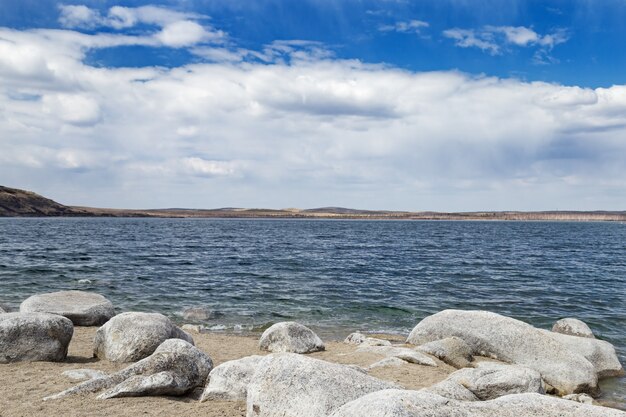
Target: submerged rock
x,y
573,327
405,403
509,340
129,337
292,337
201,313
290,385
34,337
83,308
175,368
452,350
229,381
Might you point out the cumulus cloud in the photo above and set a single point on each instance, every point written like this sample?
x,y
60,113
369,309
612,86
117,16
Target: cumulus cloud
x,y
411,26
494,39
291,125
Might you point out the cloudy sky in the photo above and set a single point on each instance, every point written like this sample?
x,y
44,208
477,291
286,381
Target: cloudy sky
x,y
445,105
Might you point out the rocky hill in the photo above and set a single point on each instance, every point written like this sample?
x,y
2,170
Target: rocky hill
x,y
20,203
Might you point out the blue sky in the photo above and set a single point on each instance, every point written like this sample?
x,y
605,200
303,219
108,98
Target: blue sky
x,y
390,104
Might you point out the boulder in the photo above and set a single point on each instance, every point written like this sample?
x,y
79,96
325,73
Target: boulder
x,y
83,308
452,350
292,337
573,327
509,340
175,368
361,339
601,354
452,390
201,313
406,354
290,385
229,381
83,374
129,337
405,403
34,337
387,362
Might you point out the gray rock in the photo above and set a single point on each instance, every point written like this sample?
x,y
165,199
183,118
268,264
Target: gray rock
x,y
290,385
83,374
453,390
393,361
573,327
129,337
406,354
601,354
579,398
34,337
512,341
198,313
490,381
405,403
292,337
361,339
194,328
229,381
452,350
2,310
83,308
175,368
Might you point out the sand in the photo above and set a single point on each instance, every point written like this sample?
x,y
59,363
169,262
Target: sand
x,y
24,385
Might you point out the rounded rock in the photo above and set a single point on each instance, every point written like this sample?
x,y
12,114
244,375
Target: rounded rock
x,y
82,308
290,337
573,327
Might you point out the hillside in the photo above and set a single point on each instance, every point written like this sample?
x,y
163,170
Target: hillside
x,y
20,203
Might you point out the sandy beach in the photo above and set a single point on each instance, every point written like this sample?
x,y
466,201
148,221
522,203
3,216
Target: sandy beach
x,y
25,384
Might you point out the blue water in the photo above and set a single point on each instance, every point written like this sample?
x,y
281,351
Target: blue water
x,y
337,276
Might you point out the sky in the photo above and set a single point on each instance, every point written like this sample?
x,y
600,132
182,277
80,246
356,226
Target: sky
x,y
447,105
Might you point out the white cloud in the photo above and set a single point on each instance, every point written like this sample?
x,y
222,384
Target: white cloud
x,y
183,33
76,16
74,109
411,26
467,38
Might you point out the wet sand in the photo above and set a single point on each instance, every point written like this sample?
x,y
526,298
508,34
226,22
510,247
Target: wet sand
x,y
24,385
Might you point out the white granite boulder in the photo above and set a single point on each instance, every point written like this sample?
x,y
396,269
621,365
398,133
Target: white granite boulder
x,y
452,350
83,374
509,340
83,308
573,327
175,368
405,403
129,337
406,354
291,337
229,381
361,339
291,385
34,337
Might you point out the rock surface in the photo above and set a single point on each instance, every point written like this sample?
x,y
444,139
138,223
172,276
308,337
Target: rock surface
x,y
290,385
405,403
34,337
83,374
129,337
406,354
83,308
387,362
513,341
573,327
201,313
229,381
361,339
175,368
452,350
292,337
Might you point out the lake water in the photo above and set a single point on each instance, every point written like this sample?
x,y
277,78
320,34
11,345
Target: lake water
x,y
337,276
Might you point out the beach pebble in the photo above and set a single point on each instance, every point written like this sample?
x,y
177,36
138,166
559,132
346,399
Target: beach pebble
x,y
229,381
361,339
406,354
34,337
510,340
573,327
83,374
407,403
83,308
175,368
292,337
290,385
452,350
129,337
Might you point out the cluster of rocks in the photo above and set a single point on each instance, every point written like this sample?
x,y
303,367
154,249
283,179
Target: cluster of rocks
x,y
504,367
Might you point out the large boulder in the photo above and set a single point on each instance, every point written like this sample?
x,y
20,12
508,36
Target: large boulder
x,y
34,337
601,354
452,350
290,385
292,337
129,337
512,341
83,308
573,327
405,403
229,381
175,368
